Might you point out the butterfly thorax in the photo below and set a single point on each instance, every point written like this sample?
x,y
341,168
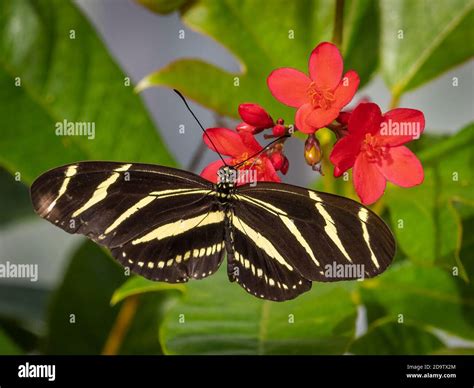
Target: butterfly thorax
x,y
226,181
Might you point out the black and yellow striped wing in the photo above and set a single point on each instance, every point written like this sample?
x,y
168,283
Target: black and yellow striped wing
x,y
286,236
161,222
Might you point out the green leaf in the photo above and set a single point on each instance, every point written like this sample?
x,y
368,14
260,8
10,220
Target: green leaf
x,y
361,38
7,346
143,334
139,285
162,6
14,199
454,352
426,219
47,77
83,297
386,337
425,296
218,317
18,332
24,304
87,288
422,39
260,35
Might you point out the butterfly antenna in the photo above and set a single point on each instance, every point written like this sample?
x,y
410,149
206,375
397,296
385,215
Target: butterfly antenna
x,y
262,150
200,125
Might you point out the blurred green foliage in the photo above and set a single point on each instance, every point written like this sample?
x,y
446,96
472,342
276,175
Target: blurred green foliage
x,y
428,289
54,67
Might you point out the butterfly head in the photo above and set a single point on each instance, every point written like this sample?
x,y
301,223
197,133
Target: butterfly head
x,y
226,178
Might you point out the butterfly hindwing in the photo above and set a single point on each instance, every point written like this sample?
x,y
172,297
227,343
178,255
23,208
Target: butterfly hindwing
x,y
145,214
172,254
258,266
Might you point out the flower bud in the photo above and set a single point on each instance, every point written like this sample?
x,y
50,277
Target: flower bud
x,y
279,130
312,151
318,168
277,160
255,115
343,117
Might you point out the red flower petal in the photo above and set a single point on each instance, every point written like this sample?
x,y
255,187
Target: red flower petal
x,y
252,146
402,167
210,171
325,66
244,127
226,141
346,89
319,118
289,86
365,118
344,153
369,183
398,122
269,172
285,167
344,116
255,115
300,119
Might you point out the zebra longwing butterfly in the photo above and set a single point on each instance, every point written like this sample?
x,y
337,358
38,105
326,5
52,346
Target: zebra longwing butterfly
x,y
171,225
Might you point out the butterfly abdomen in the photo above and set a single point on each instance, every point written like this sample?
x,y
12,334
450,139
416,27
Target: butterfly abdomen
x,y
229,244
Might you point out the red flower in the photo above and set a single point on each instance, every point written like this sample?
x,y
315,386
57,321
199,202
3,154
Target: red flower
x,y
319,97
239,146
374,147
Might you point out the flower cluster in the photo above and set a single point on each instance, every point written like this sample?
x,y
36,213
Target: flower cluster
x,y
244,150
369,142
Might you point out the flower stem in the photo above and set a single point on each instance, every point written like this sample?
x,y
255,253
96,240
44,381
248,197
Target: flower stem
x,y
122,324
338,24
326,140
395,101
328,180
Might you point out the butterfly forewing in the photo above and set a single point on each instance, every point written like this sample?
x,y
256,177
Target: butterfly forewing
x,y
161,222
